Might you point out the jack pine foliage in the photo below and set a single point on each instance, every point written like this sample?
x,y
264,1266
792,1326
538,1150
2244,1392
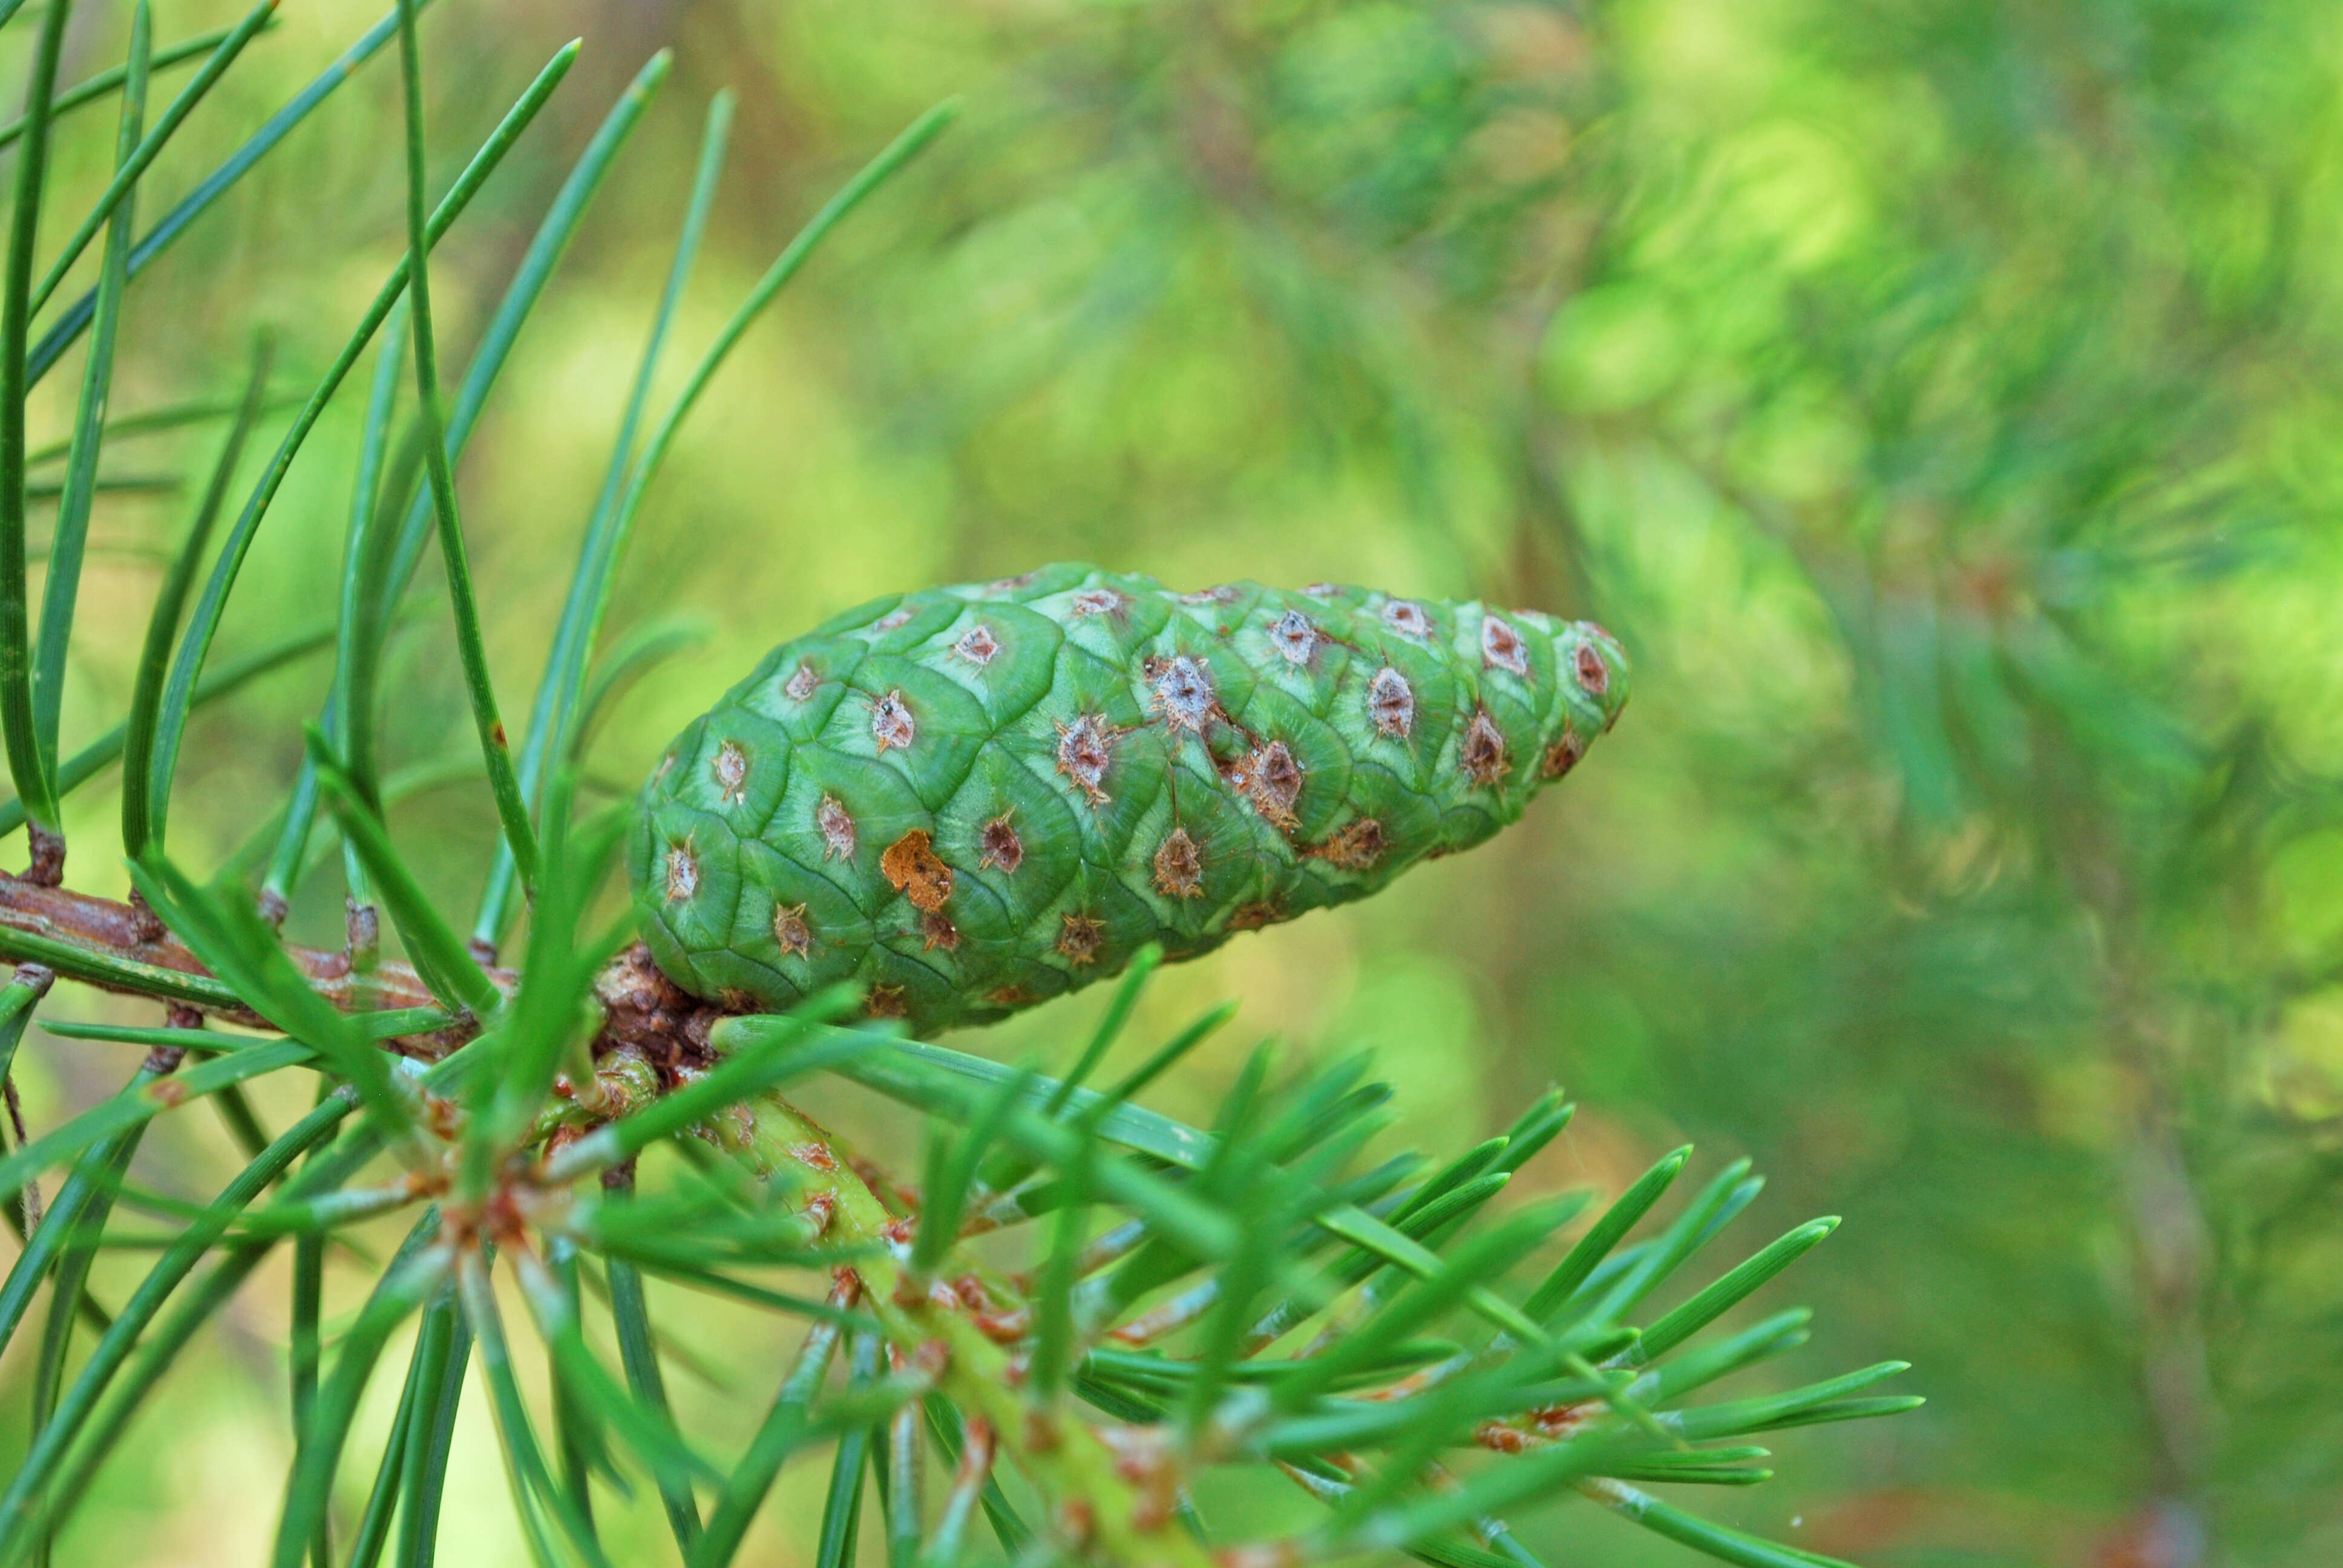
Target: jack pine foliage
x,y
1080,1308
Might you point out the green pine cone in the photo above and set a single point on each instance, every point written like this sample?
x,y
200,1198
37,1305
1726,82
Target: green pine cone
x,y
972,799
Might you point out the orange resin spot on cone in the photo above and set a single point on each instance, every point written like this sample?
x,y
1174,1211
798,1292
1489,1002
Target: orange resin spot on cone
x,y
913,869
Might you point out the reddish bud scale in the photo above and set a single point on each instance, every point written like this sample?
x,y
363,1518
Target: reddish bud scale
x,y
972,799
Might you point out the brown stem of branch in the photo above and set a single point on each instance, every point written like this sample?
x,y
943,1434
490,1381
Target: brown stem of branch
x,y
47,867
643,1010
129,931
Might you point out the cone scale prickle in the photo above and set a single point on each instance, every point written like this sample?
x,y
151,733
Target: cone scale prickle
x,y
970,800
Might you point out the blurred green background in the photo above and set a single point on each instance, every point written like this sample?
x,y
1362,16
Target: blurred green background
x,y
1939,397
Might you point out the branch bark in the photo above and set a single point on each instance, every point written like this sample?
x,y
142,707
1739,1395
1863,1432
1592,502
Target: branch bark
x,y
114,947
